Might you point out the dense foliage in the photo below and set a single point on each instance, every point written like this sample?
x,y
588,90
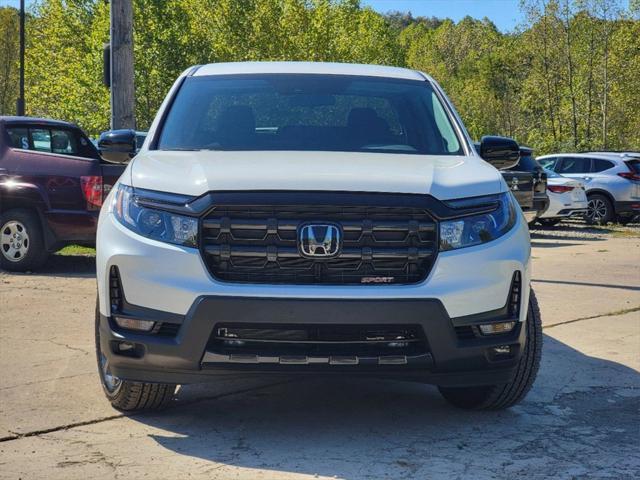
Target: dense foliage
x,y
9,50
566,80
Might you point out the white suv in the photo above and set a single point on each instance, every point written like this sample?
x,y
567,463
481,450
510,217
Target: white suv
x,y
319,219
611,179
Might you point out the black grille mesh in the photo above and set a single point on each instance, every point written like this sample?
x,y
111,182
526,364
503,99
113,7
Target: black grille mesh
x,y
314,340
115,289
259,244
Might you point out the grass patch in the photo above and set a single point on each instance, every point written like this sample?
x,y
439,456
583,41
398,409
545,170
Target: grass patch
x,y
76,250
625,234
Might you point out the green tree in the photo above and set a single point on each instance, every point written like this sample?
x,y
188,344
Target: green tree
x,y
565,80
9,51
64,62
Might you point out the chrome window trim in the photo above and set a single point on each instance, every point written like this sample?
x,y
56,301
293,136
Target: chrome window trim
x,y
39,152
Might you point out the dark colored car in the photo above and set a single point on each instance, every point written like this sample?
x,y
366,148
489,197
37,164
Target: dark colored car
x,y
528,163
52,183
522,184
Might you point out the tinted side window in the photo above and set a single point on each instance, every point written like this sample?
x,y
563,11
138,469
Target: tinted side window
x,y
574,165
85,147
18,137
63,141
634,165
601,165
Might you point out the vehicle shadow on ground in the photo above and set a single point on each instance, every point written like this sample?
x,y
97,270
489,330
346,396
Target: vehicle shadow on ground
x,y
580,417
73,266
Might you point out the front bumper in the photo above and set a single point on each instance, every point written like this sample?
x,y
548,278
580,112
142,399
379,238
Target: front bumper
x,y
191,356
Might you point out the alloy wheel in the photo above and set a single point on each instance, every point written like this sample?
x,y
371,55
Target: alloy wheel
x,y
14,241
597,210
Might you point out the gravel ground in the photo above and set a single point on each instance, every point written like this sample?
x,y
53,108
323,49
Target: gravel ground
x,y
578,228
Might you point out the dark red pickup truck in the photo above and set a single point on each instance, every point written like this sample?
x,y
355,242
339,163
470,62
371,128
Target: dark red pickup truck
x,y
52,184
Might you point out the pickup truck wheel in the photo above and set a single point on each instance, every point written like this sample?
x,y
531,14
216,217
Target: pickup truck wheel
x,y
126,395
599,210
21,241
498,397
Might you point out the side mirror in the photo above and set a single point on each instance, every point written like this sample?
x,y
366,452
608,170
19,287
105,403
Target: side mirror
x,y
117,146
501,152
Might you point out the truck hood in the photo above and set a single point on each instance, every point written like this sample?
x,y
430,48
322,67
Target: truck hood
x,y
197,172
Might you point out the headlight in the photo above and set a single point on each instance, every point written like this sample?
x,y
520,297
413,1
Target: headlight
x,y
152,223
477,229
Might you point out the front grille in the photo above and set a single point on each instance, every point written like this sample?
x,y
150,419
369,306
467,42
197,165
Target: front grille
x,y
317,341
259,244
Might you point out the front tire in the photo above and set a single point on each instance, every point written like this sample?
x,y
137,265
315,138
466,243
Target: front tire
x,y
498,397
22,246
126,395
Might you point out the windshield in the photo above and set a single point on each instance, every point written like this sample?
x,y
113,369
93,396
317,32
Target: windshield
x,y
308,112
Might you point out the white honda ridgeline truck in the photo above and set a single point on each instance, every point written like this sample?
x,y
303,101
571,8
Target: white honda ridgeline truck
x,y
319,219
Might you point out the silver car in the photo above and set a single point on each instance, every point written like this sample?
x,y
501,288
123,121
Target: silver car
x,y
612,182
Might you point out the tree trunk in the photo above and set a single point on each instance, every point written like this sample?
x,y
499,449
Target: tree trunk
x,y
605,88
570,74
122,84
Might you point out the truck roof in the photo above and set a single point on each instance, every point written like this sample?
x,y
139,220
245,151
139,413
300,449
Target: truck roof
x,y
41,121
239,68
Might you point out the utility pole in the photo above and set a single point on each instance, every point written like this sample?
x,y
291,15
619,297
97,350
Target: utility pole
x,y
20,102
122,86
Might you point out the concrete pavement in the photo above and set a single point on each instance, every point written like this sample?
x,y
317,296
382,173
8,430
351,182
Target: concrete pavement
x,y
580,420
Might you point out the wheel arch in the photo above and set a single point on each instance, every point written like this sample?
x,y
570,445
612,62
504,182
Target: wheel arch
x,y
600,191
29,198
21,195
604,193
